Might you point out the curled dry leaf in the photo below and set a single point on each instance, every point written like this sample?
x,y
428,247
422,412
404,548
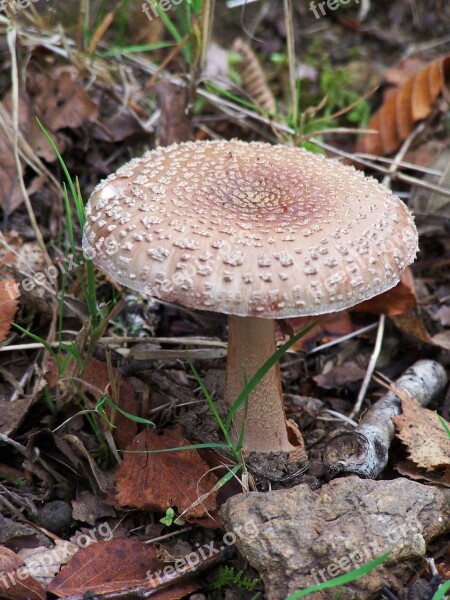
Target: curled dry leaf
x,y
162,480
16,583
406,106
424,436
8,307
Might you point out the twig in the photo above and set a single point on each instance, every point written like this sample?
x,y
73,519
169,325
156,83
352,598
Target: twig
x,y
370,367
365,450
343,338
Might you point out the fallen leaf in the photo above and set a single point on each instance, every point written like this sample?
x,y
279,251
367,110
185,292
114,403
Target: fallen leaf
x,y
13,413
405,106
8,306
408,469
403,71
411,323
421,431
340,375
329,327
16,583
59,101
106,567
89,508
161,480
442,339
44,563
96,381
174,123
395,301
11,196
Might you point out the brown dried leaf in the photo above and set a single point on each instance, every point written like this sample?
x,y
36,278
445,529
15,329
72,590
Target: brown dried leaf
x,y
411,470
89,508
411,323
59,101
162,480
395,301
254,78
174,123
108,566
347,372
420,430
16,583
405,106
96,381
330,326
11,196
8,307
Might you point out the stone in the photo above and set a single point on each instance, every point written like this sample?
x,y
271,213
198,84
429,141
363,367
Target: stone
x,y
305,537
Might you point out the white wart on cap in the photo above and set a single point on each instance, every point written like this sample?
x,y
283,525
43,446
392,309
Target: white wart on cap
x,y
249,229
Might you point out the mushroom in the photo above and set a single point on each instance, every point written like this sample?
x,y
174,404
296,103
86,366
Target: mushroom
x,y
255,231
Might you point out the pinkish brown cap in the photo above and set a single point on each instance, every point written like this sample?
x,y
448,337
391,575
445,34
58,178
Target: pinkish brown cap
x,y
248,229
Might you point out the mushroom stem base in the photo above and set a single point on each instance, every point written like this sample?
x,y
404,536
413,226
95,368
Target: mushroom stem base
x,y
251,341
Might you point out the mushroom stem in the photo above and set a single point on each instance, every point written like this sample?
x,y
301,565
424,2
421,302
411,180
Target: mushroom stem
x,y
251,341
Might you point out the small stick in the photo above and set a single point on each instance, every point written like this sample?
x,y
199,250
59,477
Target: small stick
x,y
365,450
370,367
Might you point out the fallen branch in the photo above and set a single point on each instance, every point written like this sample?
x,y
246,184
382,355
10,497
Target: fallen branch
x,y
365,450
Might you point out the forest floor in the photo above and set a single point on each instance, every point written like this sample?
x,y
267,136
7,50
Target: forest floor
x,y
94,379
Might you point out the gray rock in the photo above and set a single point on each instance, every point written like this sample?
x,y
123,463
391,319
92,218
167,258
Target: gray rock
x,y
297,538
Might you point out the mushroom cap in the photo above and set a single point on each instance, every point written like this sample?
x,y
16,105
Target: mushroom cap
x,y
248,229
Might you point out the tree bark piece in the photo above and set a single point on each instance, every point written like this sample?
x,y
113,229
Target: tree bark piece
x,y
365,450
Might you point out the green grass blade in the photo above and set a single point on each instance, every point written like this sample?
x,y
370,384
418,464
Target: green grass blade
x,y
226,478
441,591
106,400
444,424
236,99
88,287
60,159
38,339
179,449
121,50
342,579
168,23
210,401
270,362
69,228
